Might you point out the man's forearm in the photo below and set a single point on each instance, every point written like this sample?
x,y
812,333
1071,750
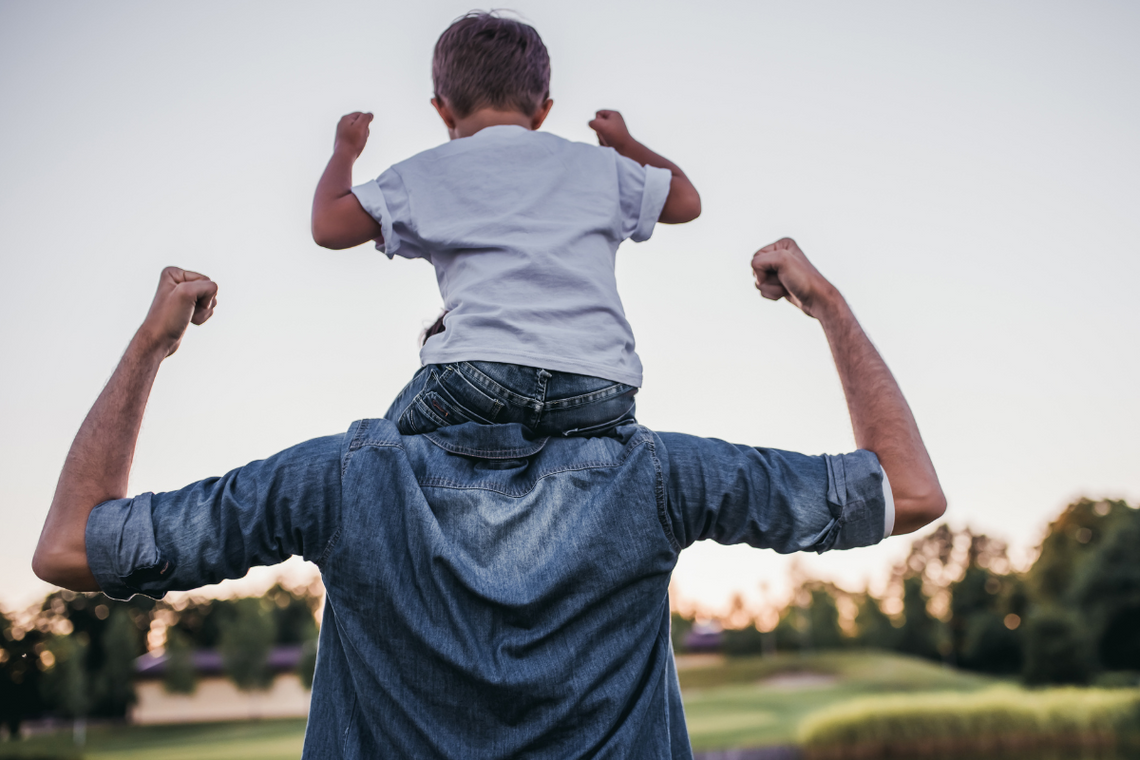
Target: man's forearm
x,y
881,417
97,466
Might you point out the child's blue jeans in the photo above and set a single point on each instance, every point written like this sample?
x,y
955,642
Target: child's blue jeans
x,y
549,403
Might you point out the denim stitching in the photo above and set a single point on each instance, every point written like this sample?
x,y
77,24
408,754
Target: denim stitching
x,y
494,388
586,398
659,492
515,453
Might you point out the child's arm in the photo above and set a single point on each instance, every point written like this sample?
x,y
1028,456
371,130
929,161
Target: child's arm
x,y
684,203
338,219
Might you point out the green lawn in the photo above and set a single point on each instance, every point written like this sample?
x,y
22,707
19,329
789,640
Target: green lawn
x,y
732,704
737,705
263,740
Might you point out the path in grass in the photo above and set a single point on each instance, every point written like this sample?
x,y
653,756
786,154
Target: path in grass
x,y
746,702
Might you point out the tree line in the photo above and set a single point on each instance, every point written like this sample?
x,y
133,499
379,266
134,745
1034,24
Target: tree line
x,y
1072,618
75,656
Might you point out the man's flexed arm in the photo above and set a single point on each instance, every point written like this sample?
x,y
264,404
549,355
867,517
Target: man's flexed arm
x,y
99,462
880,416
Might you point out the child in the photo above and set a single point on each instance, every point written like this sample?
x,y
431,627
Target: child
x,y
522,228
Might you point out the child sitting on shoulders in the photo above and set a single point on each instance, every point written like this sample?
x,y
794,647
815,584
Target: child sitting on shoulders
x,y
522,228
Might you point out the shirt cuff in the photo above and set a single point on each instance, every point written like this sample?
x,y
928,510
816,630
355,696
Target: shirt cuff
x,y
371,199
889,511
653,196
121,551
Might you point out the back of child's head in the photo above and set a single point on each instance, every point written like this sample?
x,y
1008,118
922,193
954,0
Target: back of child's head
x,y
484,60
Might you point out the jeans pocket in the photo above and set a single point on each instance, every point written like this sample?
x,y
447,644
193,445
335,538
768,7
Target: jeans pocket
x,y
441,403
429,411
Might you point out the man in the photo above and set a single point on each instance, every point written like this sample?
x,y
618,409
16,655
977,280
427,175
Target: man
x,y
489,593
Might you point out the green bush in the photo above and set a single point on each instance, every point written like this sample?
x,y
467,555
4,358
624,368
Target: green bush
x,y
999,719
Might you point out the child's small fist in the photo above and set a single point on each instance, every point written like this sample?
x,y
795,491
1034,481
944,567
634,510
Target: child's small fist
x,y
352,132
611,129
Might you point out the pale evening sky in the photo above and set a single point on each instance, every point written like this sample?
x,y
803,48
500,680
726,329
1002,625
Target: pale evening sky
x,y
968,175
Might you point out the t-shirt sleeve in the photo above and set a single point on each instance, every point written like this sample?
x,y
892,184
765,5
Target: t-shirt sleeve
x,y
386,200
772,499
218,528
642,191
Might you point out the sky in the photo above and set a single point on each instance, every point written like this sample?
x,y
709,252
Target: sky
x,y
967,174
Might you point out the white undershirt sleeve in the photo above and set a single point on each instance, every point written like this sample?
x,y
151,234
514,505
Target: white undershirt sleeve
x,y
889,511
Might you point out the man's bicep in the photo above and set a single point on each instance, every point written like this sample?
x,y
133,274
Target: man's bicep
x,y
219,528
772,499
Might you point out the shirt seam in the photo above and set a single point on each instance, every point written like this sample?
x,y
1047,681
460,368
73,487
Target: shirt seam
x,y
659,494
435,482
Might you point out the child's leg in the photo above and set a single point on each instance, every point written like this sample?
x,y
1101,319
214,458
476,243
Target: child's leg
x,y
549,403
405,396
440,395
580,405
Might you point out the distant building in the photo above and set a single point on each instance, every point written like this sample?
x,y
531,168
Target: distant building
x,y
217,698
704,637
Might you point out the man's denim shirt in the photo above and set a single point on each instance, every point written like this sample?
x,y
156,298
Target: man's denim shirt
x,y
489,595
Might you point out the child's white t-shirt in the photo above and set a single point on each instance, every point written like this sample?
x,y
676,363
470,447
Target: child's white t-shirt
x,y
522,228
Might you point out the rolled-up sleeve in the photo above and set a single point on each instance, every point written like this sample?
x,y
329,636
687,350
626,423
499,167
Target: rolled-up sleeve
x,y
642,192
386,200
772,499
218,528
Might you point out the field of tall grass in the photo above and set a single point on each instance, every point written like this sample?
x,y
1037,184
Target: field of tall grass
x,y
1000,720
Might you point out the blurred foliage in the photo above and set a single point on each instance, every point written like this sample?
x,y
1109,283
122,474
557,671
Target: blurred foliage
x,y
246,641
988,722
1072,618
180,675
74,655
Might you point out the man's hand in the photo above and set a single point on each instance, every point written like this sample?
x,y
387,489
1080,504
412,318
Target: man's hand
x,y
99,463
782,271
352,133
611,129
183,297
880,417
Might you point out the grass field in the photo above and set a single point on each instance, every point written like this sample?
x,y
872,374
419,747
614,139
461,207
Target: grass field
x,y
753,702
743,702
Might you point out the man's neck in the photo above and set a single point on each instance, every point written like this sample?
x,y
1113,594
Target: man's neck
x,y
488,117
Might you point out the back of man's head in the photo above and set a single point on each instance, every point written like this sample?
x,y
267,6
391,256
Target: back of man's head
x,y
484,60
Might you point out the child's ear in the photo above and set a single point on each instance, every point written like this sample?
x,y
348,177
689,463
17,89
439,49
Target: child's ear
x,y
541,114
444,112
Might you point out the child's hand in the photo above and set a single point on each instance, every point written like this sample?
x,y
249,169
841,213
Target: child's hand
x,y
352,133
611,129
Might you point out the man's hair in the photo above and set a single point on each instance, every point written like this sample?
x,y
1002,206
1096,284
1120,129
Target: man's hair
x,y
483,60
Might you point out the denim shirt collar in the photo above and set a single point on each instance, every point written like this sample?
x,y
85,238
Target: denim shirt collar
x,y
471,439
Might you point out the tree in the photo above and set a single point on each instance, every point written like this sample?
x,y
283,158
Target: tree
x,y
307,666
245,643
874,626
823,614
679,627
1056,651
20,695
115,680
1072,539
65,684
1107,592
919,633
179,675
989,645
